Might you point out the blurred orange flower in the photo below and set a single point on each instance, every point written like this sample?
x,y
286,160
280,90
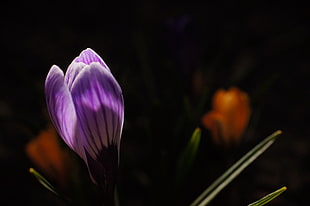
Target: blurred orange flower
x,y
48,155
229,116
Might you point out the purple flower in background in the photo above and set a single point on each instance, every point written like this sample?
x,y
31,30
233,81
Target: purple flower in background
x,y
87,108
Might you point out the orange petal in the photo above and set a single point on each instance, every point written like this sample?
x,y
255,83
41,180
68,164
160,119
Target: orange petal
x,y
215,123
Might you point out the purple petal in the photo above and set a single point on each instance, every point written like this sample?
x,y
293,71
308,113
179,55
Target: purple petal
x,y
61,109
72,72
89,56
100,108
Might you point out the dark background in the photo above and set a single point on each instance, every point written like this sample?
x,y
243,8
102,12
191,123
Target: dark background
x,y
165,55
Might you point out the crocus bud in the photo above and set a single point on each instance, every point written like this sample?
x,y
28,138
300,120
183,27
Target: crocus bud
x,y
229,116
87,108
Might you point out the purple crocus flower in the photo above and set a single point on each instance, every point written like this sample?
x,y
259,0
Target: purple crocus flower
x,y
87,108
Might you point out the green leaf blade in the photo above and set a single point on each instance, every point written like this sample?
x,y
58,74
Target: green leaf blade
x,y
188,156
266,199
220,183
43,181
